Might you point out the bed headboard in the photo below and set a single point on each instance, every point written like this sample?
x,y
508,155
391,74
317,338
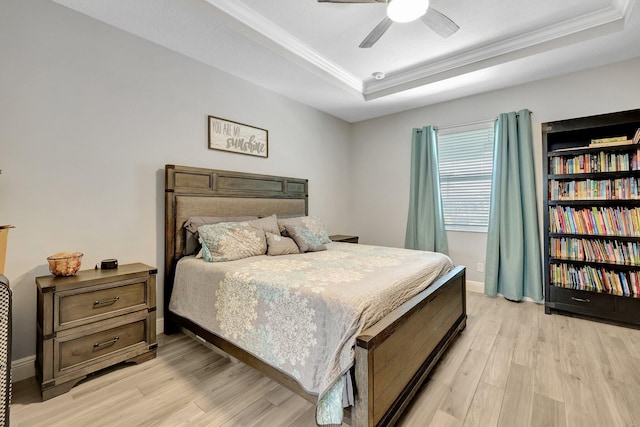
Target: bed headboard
x,y
193,191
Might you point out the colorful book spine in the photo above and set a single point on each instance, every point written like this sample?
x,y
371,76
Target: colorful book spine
x,y
601,251
594,163
595,279
588,189
604,221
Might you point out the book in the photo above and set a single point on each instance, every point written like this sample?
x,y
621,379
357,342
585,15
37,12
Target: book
x,y
611,143
636,137
607,140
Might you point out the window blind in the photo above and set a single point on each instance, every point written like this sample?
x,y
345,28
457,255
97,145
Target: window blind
x,y
466,164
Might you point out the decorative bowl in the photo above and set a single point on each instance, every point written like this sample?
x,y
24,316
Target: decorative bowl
x,y
65,263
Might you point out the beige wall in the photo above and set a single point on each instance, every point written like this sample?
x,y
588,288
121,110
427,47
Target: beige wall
x,y
89,116
381,148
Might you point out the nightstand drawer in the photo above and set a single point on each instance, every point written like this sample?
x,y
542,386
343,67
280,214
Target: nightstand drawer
x,y
89,347
91,304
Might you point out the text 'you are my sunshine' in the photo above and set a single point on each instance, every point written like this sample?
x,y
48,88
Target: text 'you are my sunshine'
x,y
238,137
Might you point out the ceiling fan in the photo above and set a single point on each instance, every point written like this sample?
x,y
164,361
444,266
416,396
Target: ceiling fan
x,y
405,11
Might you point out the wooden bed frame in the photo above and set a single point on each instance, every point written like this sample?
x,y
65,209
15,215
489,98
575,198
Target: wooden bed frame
x,y
393,357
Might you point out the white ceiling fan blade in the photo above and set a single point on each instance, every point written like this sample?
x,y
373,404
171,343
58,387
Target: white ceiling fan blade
x,y
439,23
376,33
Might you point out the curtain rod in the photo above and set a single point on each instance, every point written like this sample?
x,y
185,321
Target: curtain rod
x,y
461,125
466,124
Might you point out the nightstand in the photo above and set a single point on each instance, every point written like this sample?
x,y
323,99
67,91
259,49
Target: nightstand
x,y
344,239
93,320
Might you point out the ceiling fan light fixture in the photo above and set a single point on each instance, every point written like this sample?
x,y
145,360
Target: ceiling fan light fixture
x,y
406,10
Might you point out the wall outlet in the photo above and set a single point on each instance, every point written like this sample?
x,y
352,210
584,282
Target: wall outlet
x,y
480,267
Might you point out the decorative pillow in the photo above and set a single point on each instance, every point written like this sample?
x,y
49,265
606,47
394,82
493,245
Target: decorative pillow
x,y
228,241
279,245
191,226
281,218
268,224
312,223
305,240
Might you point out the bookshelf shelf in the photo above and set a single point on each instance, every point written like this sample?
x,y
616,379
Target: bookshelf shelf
x,y
592,220
594,237
585,149
595,175
595,202
613,265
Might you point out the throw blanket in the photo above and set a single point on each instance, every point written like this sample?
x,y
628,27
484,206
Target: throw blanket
x,y
302,313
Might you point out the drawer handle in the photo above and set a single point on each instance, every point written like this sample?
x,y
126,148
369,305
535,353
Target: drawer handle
x,y
106,343
581,299
105,302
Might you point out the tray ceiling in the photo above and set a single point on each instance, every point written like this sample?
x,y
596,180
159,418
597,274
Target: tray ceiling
x,y
315,45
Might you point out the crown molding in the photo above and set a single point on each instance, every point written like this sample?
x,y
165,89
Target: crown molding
x,y
401,80
285,44
270,35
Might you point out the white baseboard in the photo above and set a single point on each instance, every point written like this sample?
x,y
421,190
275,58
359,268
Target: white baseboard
x,y
475,286
160,325
24,368
479,288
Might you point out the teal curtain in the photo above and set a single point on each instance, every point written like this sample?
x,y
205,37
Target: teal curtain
x,y
425,223
513,265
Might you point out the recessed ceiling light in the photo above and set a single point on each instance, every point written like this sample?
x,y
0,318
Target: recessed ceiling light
x,y
378,75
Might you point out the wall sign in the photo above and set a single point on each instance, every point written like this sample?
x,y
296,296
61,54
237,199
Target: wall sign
x,y
227,135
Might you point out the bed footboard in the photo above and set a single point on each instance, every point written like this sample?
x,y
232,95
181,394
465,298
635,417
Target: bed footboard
x,y
395,356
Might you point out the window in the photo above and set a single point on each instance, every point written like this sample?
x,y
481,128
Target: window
x,y
466,164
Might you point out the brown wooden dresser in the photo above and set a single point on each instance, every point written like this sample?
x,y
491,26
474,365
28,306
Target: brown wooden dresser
x,y
93,320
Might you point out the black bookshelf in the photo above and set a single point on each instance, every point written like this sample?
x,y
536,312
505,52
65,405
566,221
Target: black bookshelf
x,y
600,289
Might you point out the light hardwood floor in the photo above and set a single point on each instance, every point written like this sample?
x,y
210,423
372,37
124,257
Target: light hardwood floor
x,y
512,366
